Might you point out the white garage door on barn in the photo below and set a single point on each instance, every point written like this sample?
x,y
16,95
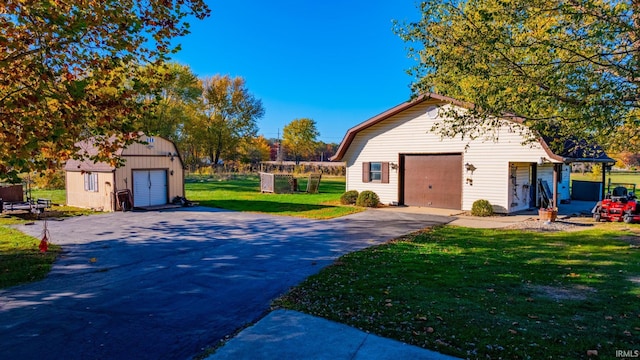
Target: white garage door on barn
x,y
149,187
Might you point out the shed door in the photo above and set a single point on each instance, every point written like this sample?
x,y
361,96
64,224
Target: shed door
x,y
149,187
433,181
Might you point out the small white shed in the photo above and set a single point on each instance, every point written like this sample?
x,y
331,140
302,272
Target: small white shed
x,y
153,173
396,155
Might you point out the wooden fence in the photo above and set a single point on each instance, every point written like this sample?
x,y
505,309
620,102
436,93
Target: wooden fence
x,y
11,193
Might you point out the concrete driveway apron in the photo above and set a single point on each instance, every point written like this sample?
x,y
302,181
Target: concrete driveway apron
x,y
167,284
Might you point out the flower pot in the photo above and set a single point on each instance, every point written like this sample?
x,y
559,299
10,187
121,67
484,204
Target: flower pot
x,y
547,214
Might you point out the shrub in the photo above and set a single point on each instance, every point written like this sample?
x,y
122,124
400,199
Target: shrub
x,y
481,208
368,198
349,198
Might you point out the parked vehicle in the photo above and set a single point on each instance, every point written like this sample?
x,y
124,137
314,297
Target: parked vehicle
x,y
620,204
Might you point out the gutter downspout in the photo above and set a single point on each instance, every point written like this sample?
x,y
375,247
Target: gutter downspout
x,y
555,184
604,182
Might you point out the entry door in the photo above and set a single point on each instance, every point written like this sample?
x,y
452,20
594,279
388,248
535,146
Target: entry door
x,y
149,187
433,181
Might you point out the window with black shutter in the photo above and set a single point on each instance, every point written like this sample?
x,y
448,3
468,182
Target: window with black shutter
x,y
375,172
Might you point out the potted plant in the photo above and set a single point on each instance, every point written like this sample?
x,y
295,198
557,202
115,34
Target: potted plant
x,y
548,214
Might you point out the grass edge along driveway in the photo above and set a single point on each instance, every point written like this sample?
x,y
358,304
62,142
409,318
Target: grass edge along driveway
x,y
21,260
478,293
243,194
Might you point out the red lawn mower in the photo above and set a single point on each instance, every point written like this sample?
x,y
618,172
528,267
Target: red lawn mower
x,y
619,205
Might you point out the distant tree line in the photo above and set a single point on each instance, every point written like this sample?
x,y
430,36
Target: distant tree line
x,y
213,121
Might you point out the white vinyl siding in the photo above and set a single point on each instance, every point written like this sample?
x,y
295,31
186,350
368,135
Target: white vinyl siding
x,y
409,132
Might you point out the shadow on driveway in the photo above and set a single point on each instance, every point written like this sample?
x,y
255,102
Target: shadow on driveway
x,y
165,285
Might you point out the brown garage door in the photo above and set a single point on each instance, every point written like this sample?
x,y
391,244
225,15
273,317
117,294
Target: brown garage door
x,y
432,180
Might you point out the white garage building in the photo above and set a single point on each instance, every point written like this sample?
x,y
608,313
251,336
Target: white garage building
x,y
396,155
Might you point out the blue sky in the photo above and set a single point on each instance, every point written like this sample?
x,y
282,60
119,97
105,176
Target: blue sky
x,y
336,62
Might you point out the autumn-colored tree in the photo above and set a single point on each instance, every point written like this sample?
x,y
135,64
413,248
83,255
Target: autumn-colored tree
x,y
70,70
230,114
324,151
255,150
626,159
569,68
176,93
299,138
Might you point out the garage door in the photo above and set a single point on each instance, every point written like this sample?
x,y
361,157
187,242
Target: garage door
x,y
432,180
149,187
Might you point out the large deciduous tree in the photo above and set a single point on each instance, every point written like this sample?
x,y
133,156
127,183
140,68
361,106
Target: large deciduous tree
x,y
299,137
569,68
230,114
69,70
173,102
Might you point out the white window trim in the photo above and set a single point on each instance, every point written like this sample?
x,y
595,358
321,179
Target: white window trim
x,y
371,172
91,182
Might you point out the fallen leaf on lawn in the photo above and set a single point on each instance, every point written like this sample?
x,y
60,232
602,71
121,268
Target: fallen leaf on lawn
x,y
441,342
439,318
627,333
429,329
608,317
513,331
592,352
491,290
532,316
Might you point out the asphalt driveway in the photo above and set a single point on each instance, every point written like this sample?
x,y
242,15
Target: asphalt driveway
x,y
167,284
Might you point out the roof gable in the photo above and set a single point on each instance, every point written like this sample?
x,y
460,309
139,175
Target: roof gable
x,y
573,151
87,147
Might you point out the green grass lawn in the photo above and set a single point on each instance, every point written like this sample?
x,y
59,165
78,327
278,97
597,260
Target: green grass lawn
x,y
20,258
58,196
616,177
481,294
243,194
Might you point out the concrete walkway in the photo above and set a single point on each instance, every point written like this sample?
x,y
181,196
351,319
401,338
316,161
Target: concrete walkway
x,y
286,334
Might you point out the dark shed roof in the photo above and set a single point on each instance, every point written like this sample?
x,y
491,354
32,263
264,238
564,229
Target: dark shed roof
x,y
575,150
